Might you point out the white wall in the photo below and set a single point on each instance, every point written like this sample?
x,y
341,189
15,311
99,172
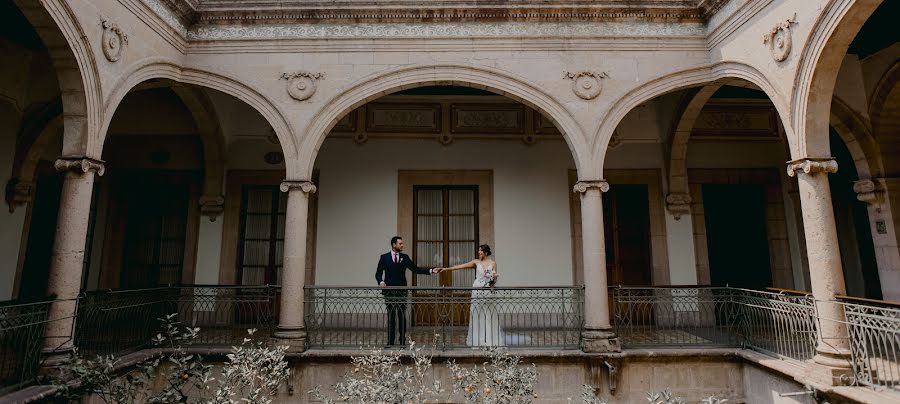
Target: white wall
x,y
358,205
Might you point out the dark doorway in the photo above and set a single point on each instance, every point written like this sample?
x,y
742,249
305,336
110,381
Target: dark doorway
x,y
41,232
736,235
626,222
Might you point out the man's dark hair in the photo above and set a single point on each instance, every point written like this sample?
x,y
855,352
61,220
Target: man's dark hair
x,y
394,239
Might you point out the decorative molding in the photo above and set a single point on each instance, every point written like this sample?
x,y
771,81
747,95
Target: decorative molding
x,y
113,40
868,191
679,204
79,164
305,186
586,84
583,186
779,39
615,140
403,117
812,166
511,29
19,193
487,118
302,84
212,206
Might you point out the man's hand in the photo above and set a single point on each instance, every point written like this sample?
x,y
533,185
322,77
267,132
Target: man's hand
x,y
436,270
381,284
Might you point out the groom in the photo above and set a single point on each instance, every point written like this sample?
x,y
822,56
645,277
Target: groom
x,y
391,271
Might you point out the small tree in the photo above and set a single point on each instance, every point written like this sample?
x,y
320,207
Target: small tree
x,y
502,380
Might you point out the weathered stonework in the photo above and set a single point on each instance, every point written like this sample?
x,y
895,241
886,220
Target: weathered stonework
x,y
212,206
679,204
586,84
301,85
868,191
79,164
779,39
584,186
305,186
812,166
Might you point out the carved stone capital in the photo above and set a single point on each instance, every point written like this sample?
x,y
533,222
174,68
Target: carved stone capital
x,y
79,164
812,166
302,84
583,186
114,40
779,39
305,186
679,204
868,191
586,84
212,206
18,193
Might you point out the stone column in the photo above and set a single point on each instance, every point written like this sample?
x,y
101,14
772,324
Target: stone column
x,y
293,274
67,261
598,334
825,270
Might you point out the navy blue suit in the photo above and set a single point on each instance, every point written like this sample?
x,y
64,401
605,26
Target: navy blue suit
x,y
394,274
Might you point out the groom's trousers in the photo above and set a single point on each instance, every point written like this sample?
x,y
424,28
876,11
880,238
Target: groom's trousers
x,y
395,300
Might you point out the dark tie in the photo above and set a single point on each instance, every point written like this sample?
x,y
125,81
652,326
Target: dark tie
x,y
395,258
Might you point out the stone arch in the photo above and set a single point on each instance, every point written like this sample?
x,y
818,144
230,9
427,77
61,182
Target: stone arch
x,y
37,129
887,85
493,80
819,65
678,81
76,70
856,133
164,69
212,202
678,200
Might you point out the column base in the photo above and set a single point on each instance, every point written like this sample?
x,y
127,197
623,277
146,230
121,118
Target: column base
x,y
600,341
54,359
831,368
293,337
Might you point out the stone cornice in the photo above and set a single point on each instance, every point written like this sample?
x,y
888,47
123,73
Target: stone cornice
x,y
244,12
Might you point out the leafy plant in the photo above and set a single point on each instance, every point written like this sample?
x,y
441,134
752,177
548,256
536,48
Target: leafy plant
x,y
502,380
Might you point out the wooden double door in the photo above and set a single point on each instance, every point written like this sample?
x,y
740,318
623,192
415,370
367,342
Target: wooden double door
x,y
626,226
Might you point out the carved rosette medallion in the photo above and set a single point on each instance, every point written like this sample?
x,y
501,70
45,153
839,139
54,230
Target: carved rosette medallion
x,y
812,166
305,186
79,165
301,84
114,40
586,85
779,39
868,191
583,186
212,206
679,204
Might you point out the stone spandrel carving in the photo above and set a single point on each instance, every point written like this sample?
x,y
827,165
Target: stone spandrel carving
x,y
583,186
305,186
779,39
302,84
812,166
79,164
586,85
114,40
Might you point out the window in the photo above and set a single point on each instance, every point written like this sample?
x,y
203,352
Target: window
x,y
261,234
445,232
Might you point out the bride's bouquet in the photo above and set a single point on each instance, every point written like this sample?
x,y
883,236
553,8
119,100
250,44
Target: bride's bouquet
x,y
488,279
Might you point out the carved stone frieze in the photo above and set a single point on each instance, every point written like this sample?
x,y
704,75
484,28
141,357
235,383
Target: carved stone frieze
x,y
586,84
302,84
583,186
114,40
79,164
212,206
779,39
679,204
305,186
868,191
812,166
18,193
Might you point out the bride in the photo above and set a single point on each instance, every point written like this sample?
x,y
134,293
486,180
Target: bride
x,y
484,321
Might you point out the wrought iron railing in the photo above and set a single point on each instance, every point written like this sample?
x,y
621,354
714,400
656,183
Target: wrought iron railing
x,y
874,328
778,324
348,317
22,331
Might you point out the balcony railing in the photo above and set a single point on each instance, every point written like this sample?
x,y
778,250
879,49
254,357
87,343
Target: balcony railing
x,y
779,324
549,317
874,328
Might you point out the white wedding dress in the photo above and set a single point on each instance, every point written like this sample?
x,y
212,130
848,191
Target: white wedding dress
x,y
484,319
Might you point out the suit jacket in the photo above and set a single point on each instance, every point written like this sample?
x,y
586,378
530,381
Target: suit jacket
x,y
395,274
